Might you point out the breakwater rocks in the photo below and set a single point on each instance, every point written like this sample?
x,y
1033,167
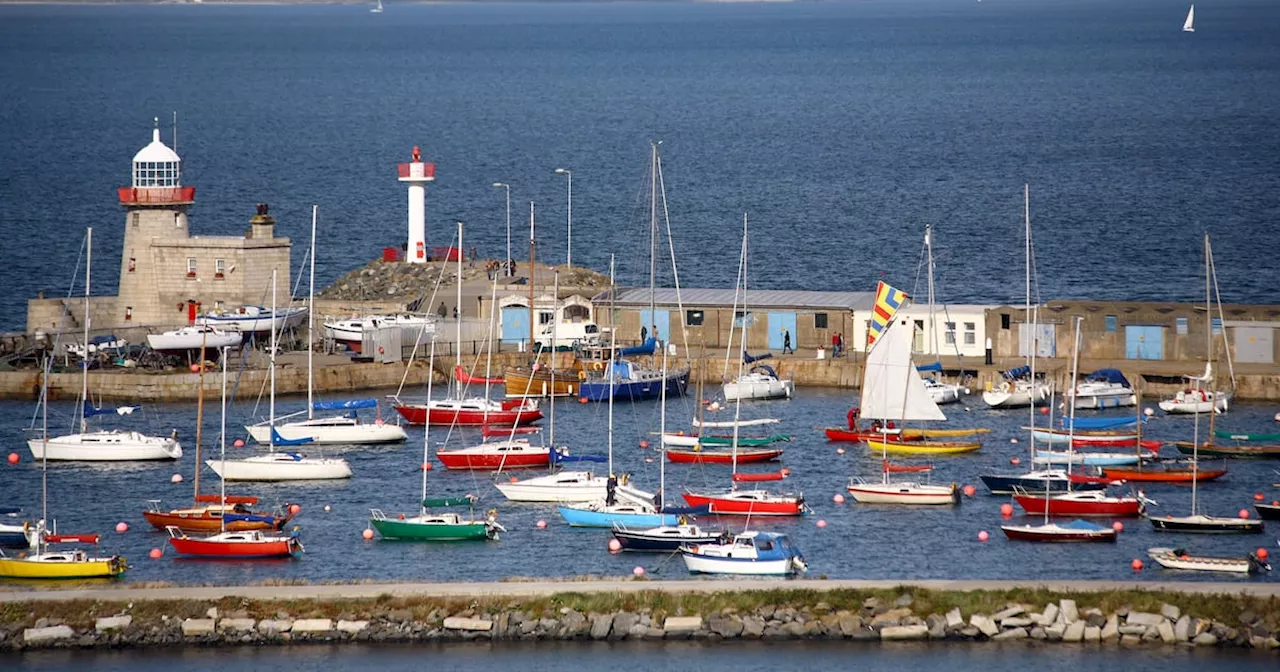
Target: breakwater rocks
x,y
641,616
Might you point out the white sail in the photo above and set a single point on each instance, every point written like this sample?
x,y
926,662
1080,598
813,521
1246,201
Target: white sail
x,y
891,387
1189,26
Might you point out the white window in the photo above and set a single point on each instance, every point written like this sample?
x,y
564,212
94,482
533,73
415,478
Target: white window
x,y
191,266
219,267
970,333
949,336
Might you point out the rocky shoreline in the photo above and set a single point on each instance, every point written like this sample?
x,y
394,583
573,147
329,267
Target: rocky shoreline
x,y
648,616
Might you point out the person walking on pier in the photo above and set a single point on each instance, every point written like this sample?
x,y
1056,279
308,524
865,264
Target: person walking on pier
x,y
442,312
786,342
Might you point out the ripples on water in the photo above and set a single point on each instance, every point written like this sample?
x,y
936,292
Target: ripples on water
x,y
842,127
657,657
859,541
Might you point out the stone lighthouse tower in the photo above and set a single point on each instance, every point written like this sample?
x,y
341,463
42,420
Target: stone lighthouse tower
x,y
155,210
417,174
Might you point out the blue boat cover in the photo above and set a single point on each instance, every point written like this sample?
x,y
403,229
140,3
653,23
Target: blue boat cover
x,y
1015,373
90,411
99,340
747,358
1079,524
936,366
704,510
649,347
343,405
10,510
1108,376
1100,423
246,518
278,440
767,369
558,456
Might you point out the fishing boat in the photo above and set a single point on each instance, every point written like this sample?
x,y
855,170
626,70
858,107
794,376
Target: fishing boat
x,y
761,382
191,338
277,465
100,445
1074,531
750,553
1189,26
253,319
209,513
425,525
45,562
1104,388
1177,558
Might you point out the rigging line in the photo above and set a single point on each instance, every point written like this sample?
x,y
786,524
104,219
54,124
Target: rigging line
x,y
417,343
728,348
66,311
1222,319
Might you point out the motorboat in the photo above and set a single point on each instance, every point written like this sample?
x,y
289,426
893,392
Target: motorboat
x,y
750,553
1104,388
944,393
1014,393
1177,558
253,319
106,446
194,338
761,382
1194,400
626,380
351,331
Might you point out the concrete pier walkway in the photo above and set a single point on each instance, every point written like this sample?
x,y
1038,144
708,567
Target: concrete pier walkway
x,y
548,588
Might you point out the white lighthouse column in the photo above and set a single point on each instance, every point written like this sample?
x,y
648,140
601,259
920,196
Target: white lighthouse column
x,y
416,175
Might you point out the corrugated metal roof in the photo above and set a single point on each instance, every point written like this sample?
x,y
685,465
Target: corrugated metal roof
x,y
757,298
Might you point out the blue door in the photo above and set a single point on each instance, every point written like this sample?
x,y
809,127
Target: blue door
x,y
1143,342
779,322
515,324
657,324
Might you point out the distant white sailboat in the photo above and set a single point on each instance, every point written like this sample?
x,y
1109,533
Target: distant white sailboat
x,y
1187,27
378,9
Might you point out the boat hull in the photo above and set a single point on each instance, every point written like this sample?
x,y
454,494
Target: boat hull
x,y
697,564
1209,450
1056,534
281,547
417,414
1172,559
189,342
1002,484
582,517
758,390
739,504
904,493
473,461
649,542
105,447
562,487
1206,525
327,434
923,447
1017,396
92,568
1268,511
1157,475
258,469
1084,438
1059,457
722,456
519,383
1060,506
860,435
406,530
209,521
635,390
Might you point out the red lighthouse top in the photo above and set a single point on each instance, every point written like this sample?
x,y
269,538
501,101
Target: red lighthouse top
x,y
416,170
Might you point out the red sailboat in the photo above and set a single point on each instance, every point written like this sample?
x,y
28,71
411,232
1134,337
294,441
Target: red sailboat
x,y
1087,503
494,455
697,455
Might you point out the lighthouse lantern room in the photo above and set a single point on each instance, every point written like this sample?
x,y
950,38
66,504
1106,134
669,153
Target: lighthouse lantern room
x,y
417,174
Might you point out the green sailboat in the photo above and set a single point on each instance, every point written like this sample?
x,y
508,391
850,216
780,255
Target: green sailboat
x,y
428,526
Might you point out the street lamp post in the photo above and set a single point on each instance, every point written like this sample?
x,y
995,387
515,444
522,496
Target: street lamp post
x,y
506,186
569,242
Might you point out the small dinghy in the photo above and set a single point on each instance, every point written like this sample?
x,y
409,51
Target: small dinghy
x,y
1177,558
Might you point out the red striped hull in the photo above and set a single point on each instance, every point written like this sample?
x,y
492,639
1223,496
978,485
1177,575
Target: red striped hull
x,y
416,414
494,461
739,507
271,548
1163,475
722,457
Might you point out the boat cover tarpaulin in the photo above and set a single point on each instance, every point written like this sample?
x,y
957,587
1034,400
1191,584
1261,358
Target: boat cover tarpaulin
x,y
1108,376
767,369
1018,372
278,440
558,456
247,518
344,405
1085,525
749,358
448,501
1236,436
704,510
649,347
929,368
90,410
1100,423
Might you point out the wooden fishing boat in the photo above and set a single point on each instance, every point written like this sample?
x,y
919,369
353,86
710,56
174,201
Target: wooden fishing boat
x,y
703,456
69,564
923,447
1167,471
1171,558
1075,531
460,374
536,382
1209,449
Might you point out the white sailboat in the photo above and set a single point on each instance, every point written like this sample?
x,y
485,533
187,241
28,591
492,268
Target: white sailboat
x,y
941,392
101,445
1022,389
893,390
341,429
277,465
1189,25
378,9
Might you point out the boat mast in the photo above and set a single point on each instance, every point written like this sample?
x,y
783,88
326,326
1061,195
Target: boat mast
x,y
653,241
613,348
84,364
204,339
1071,405
426,435
311,318
44,454
1208,357
532,322
271,418
737,406
933,325
662,434
551,391
457,307
1028,319
222,443
488,360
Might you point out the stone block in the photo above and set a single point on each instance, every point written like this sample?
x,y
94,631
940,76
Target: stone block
x,y
890,617
1009,612
849,624
212,612
727,627
1015,622
1130,629
682,624
1144,618
601,626
1111,630
753,627
623,622
113,623
270,626
236,624
1070,614
1092,634
1074,632
637,631
1182,629
954,619
1170,612
195,627
1166,633
352,627
1055,632
904,632
48,634
1051,612
984,625
1016,633
1130,640
1039,633
312,625
1206,639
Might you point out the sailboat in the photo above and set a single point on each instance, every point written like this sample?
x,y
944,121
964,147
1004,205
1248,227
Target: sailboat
x,y
45,562
280,465
1188,26
626,379
100,445
208,513
230,543
755,501
941,392
560,485
475,411
428,526
623,503
1195,521
341,429
1020,387
377,9
892,388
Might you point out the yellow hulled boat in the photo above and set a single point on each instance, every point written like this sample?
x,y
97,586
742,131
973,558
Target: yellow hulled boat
x,y
73,564
923,447
943,433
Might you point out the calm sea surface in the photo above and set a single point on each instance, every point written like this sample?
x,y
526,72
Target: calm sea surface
x,y
842,127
